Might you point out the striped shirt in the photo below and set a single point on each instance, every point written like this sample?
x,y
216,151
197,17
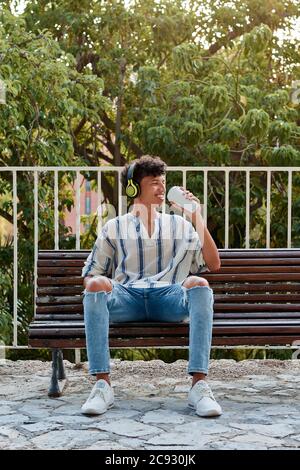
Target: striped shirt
x,y
125,252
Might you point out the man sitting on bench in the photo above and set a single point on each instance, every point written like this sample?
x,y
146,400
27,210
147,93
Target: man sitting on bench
x,y
139,271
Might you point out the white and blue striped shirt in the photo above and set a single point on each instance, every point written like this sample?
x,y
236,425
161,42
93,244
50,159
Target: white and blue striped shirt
x,y
125,252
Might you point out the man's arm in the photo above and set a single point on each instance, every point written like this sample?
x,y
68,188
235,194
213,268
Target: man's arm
x,y
209,248
100,260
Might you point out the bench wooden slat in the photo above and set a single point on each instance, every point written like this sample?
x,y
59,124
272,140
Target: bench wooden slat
x,y
278,287
131,332
219,299
77,280
259,253
171,327
258,271
78,308
60,281
261,262
224,253
235,262
263,287
174,342
252,277
63,291
44,317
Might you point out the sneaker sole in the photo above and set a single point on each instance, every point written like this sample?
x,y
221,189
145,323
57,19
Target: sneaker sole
x,y
96,413
207,414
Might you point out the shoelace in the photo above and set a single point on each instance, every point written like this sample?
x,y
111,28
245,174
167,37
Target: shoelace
x,y
98,391
206,392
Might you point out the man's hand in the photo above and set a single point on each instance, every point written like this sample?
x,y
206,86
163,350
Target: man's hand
x,y
189,196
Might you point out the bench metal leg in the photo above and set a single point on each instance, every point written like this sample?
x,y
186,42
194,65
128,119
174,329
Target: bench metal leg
x,y
58,373
61,374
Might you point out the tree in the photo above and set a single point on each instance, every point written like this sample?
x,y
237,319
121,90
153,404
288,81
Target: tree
x,y
208,85
46,97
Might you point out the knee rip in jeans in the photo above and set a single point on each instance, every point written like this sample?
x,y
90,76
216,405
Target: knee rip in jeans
x,y
88,292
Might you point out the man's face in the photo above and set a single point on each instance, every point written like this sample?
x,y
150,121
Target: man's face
x,y
153,189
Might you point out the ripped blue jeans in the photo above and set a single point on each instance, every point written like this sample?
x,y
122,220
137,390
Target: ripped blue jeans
x,y
172,303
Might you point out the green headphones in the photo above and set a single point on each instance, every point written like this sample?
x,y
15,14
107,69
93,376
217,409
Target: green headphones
x,y
133,188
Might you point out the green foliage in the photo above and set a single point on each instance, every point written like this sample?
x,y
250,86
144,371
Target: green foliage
x,y
285,155
255,124
230,132
281,131
216,98
257,40
159,139
191,133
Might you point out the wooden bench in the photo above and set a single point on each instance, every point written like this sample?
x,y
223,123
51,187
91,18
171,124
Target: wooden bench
x,y
257,302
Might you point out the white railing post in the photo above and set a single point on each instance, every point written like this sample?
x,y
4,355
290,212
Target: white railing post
x,y
226,208
289,214
268,218
205,182
99,202
36,233
77,209
56,215
247,234
120,205
15,231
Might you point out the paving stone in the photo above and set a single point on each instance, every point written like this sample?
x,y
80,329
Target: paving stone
x,y
128,427
106,445
12,439
162,416
73,420
119,413
181,389
273,430
69,409
254,399
35,411
202,426
41,427
130,443
280,410
179,439
138,404
257,439
5,410
13,419
235,446
67,439
288,377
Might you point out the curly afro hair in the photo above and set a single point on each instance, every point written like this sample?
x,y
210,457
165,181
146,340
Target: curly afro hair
x,y
144,166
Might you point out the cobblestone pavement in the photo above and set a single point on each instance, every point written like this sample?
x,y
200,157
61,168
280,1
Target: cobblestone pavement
x,y
260,401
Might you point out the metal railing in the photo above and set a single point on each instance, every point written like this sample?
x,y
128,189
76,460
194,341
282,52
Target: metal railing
x,y
248,171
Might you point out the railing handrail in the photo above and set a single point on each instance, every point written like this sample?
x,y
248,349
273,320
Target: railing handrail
x,y
171,167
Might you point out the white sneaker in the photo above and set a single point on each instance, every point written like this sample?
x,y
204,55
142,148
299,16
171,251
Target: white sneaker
x,y
202,400
101,398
